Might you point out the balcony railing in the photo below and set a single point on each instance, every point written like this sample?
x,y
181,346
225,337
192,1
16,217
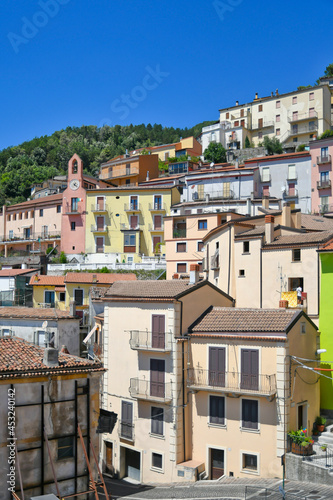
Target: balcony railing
x,y
154,228
99,229
232,382
290,193
309,115
132,207
126,430
260,125
321,160
150,391
324,184
325,208
73,209
31,237
119,172
99,207
157,207
179,233
149,341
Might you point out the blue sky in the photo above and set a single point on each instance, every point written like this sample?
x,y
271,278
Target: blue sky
x,y
175,62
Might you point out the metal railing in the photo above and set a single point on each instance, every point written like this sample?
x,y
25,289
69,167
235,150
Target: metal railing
x,y
324,184
179,233
126,430
325,208
321,160
157,207
98,229
119,172
147,341
148,390
290,193
265,124
153,227
324,459
303,116
128,227
232,382
31,237
132,207
76,208
99,207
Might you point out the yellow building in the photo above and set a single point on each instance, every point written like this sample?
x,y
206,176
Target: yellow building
x,y
128,221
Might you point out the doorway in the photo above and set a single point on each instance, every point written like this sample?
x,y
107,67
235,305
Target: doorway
x,y
216,463
302,415
132,464
109,457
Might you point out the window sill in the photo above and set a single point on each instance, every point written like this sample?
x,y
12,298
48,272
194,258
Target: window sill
x,y
296,261
249,471
155,469
242,276
252,431
218,426
157,436
246,253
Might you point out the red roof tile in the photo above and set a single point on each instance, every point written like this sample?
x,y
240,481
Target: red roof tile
x,y
15,272
47,280
99,278
34,313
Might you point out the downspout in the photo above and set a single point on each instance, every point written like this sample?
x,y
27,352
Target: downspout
x,y
229,260
183,378
260,272
318,281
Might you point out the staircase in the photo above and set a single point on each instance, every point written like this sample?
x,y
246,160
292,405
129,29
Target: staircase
x,y
326,437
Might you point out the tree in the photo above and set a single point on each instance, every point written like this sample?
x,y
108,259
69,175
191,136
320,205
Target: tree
x,y
301,147
215,153
273,146
329,71
247,142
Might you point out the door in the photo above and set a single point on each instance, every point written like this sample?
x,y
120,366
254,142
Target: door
x,y
217,366
132,464
302,416
291,189
260,123
49,298
134,202
126,424
100,223
99,244
157,222
250,369
100,203
108,457
157,244
216,463
134,221
158,331
157,370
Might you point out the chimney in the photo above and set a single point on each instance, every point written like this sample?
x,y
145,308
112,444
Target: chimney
x,y
194,273
298,220
272,94
64,349
286,215
50,357
269,228
237,103
256,97
237,163
175,276
248,206
277,92
147,177
72,308
265,202
94,278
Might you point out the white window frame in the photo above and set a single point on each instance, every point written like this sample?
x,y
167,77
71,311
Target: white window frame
x,y
156,469
249,471
130,203
158,436
54,296
74,290
6,329
208,454
98,236
37,333
161,196
181,242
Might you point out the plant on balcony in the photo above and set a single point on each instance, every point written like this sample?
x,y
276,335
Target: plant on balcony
x,y
320,423
301,443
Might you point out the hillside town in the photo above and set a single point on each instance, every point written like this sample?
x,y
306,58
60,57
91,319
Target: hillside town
x,y
174,325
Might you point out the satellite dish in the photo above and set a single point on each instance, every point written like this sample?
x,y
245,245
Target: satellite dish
x,y
44,325
212,164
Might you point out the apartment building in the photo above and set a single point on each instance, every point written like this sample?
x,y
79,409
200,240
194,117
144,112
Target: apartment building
x,y
129,170
127,222
321,175
144,354
286,176
243,392
294,118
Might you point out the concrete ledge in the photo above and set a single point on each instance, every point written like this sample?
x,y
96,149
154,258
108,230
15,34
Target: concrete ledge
x,y
298,469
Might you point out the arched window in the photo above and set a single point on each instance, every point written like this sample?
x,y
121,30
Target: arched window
x,y
74,167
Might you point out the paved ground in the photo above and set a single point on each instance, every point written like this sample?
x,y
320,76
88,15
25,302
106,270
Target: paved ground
x,y
226,489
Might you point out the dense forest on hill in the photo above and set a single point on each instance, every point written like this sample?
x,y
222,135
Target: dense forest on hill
x,y
44,157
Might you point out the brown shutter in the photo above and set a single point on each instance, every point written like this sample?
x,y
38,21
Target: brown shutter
x,y
158,331
157,369
217,366
126,419
249,369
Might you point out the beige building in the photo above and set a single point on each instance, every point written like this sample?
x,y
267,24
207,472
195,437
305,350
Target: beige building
x,y
145,357
244,392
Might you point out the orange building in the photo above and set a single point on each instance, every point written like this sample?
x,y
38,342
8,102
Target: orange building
x,y
129,170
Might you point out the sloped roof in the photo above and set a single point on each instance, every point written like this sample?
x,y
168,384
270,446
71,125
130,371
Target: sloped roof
x,y
99,278
316,223
149,289
34,313
15,272
310,239
20,358
47,280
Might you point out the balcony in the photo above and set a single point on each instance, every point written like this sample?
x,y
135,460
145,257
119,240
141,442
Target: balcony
x,y
153,228
119,172
306,129
126,430
262,124
99,207
73,209
52,235
132,207
236,384
309,115
324,184
157,207
265,177
179,233
321,160
99,229
129,227
290,193
325,208
150,391
149,341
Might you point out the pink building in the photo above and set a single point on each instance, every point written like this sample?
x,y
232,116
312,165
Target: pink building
x,y
321,175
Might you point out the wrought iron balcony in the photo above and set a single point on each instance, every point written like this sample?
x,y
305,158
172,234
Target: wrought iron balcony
x,y
129,227
149,341
157,207
150,391
231,382
264,124
156,229
99,229
298,117
126,430
132,207
99,207
325,208
324,184
73,208
321,160
290,193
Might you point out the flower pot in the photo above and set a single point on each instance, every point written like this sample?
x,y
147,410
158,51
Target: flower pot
x,y
321,427
298,449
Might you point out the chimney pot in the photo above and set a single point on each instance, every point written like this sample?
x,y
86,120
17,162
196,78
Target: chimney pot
x,y
72,308
194,273
237,103
175,276
51,357
64,349
269,228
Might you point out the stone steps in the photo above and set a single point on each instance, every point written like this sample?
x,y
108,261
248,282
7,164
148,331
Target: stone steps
x,y
326,437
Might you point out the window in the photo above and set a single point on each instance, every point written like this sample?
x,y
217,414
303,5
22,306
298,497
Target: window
x,y
292,172
49,297
65,447
31,215
246,246
303,327
11,234
181,267
6,332
249,414
226,189
157,419
311,96
278,104
200,246
166,156
14,217
58,209
277,118
236,123
157,461
40,337
260,108
62,296
78,296
73,226
294,283
296,255
133,202
74,204
249,462
126,423
129,240
181,247
295,99
227,116
202,224
278,131
324,177
20,215
324,203
41,213
295,131
259,135
295,115
241,272
312,112
216,410
324,152
265,175
74,167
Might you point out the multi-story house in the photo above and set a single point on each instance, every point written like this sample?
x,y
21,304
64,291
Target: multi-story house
x,y
188,146
244,394
259,260
145,357
47,395
286,176
321,175
294,118
129,170
126,223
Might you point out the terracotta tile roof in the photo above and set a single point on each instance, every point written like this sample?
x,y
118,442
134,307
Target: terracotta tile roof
x,y
99,278
45,200
15,272
250,321
316,223
47,280
326,247
34,313
256,231
20,358
278,157
148,289
310,239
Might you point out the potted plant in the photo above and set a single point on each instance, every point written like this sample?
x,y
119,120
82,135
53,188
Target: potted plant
x,y
301,444
321,422
324,447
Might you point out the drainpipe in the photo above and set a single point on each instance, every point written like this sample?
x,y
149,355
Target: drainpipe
x,y
229,260
183,378
260,272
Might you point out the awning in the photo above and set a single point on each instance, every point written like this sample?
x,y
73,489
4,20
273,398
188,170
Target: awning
x,y
90,334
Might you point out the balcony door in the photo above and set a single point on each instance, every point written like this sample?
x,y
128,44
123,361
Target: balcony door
x,y
250,369
100,202
134,220
216,463
100,223
126,420
158,331
217,366
157,375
